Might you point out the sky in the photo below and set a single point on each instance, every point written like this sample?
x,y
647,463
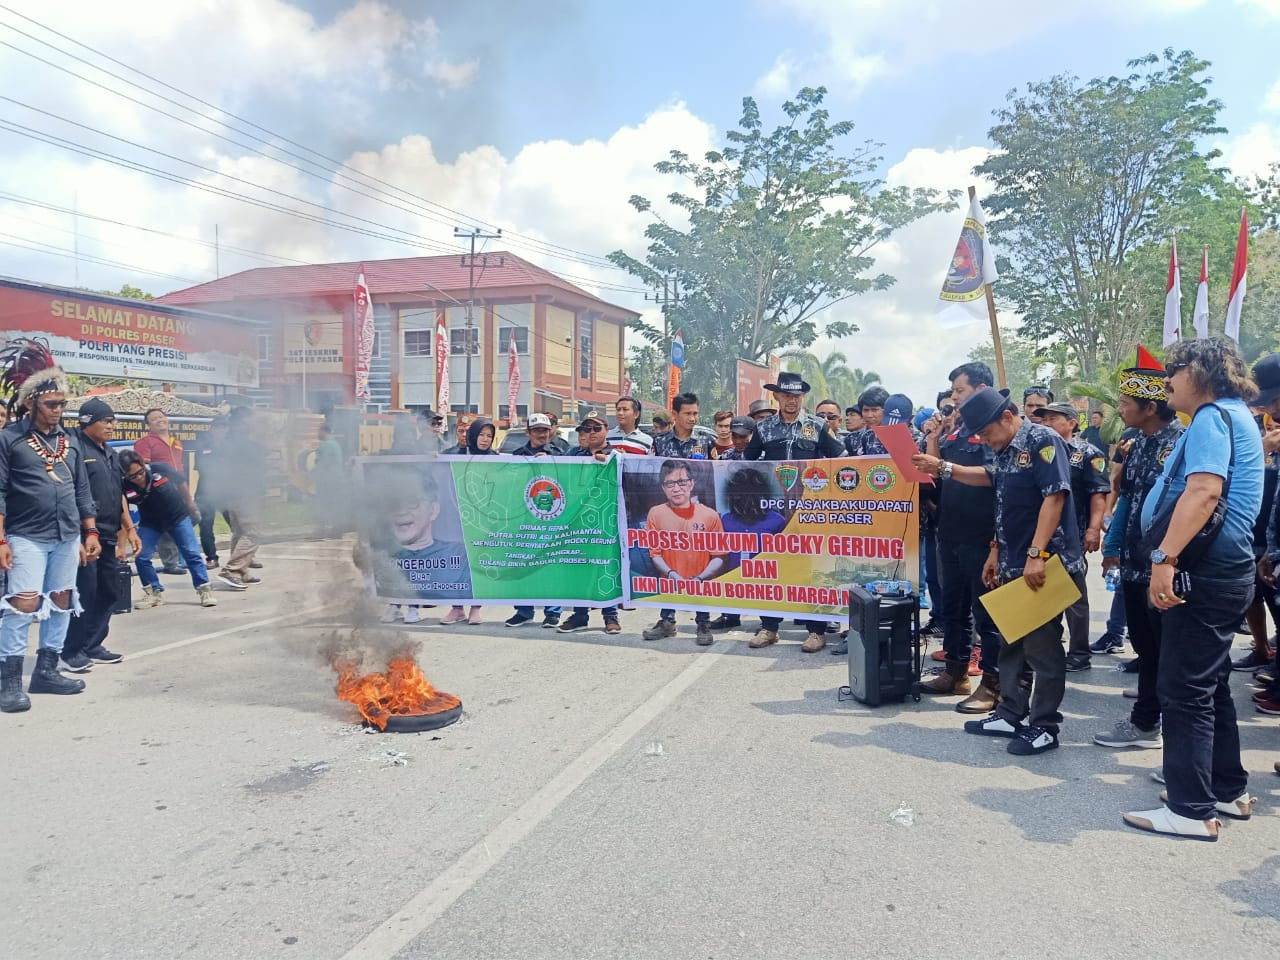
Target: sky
x,y
542,119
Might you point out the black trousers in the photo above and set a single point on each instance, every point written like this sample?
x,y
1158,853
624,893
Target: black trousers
x,y
1040,651
98,585
208,514
1145,627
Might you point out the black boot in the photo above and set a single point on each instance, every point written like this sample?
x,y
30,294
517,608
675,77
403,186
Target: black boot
x,y
12,699
46,678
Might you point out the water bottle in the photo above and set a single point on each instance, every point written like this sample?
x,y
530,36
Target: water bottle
x,y
1113,579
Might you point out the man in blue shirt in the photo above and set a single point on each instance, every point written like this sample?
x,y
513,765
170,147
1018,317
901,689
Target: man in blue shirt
x,y
1218,459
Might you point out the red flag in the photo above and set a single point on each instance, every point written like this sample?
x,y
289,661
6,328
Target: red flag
x,y
442,366
513,378
1235,301
364,330
1173,299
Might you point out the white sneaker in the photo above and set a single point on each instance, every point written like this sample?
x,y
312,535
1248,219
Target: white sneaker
x,y
1241,808
412,614
391,614
993,725
1163,820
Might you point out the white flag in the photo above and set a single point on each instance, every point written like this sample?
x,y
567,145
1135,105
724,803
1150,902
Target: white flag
x,y
1173,299
973,266
1200,317
1239,274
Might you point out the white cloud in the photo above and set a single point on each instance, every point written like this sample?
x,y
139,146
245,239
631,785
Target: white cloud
x,y
454,76
1251,153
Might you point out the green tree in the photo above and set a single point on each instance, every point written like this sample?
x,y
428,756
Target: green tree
x,y
777,227
1021,360
831,376
126,291
648,374
1089,175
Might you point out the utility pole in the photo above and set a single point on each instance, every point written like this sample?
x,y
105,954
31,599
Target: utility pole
x,y
470,261
217,253
666,293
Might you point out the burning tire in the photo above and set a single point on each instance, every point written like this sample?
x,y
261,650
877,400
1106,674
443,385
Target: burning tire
x,y
418,722
401,700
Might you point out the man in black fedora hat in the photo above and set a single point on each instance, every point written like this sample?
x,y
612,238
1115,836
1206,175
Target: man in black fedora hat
x,y
1034,520
791,434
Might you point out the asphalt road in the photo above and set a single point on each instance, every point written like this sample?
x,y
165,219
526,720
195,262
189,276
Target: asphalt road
x,y
602,797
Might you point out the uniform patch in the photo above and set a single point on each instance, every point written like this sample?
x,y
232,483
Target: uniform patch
x,y
1047,454
809,432
1077,458
1099,464
786,474
1164,455
1023,459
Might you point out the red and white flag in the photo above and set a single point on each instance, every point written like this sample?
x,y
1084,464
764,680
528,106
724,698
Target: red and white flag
x,y
442,366
513,378
1239,271
1173,299
1200,317
627,384
364,330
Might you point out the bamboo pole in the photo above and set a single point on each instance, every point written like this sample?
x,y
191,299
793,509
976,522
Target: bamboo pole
x,y
995,324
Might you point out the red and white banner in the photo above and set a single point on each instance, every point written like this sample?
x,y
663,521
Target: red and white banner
x,y
442,366
1200,316
364,329
1239,272
513,378
1173,299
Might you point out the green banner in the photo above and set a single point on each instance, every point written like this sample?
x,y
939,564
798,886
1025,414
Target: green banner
x,y
492,529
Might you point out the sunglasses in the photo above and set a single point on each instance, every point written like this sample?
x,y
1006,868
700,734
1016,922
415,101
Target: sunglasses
x,y
1034,391
829,416
1173,368
589,428
53,404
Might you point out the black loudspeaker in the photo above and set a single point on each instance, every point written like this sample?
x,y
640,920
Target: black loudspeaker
x,y
884,660
124,589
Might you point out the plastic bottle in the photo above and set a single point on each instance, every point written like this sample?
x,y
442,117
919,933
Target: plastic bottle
x,y
1113,579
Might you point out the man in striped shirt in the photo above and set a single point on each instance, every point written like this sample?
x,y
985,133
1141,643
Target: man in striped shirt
x,y
627,437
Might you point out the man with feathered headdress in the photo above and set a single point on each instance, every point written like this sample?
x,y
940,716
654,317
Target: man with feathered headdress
x,y
47,524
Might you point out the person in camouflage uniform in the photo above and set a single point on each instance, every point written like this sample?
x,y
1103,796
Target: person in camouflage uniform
x,y
1144,405
791,434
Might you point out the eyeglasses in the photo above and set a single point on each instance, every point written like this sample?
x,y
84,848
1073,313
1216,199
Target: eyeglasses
x,y
1173,368
829,416
1035,391
53,404
589,428
672,484
136,473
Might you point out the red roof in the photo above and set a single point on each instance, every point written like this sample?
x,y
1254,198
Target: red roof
x,y
385,277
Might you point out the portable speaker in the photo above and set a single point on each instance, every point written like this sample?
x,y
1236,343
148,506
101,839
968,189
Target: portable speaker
x,y
884,662
124,589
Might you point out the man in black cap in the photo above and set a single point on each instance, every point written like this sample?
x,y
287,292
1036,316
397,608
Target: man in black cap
x,y
742,429
431,438
98,581
1034,520
791,434
1090,484
1143,405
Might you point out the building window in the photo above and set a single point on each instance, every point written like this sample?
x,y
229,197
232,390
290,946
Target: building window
x,y
504,340
417,343
264,346
458,339
377,346
584,345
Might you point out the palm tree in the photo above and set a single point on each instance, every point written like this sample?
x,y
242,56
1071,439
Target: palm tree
x,y
830,377
1104,391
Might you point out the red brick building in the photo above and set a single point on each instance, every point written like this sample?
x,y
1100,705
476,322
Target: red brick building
x,y
570,343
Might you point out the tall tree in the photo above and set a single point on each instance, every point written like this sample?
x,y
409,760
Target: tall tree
x,y
1021,359
775,228
1087,176
830,376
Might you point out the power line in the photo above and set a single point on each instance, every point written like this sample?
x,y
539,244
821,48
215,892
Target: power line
x,y
547,247
49,249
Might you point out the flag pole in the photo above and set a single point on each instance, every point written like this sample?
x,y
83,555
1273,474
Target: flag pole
x,y
995,325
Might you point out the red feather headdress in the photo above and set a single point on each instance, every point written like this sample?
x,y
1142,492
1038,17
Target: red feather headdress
x,y
29,369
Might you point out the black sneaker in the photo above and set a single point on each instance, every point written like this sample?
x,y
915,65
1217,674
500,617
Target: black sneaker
x,y
575,623
726,621
551,621
1078,662
518,620
255,565
1032,740
992,725
173,571
101,654
1108,643
932,629
840,648
1129,666
211,563
77,663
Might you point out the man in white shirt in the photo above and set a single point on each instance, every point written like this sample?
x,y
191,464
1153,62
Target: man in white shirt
x,y
627,437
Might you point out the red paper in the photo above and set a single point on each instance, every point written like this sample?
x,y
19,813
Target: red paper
x,y
902,447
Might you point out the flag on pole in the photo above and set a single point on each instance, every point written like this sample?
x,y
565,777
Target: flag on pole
x,y
364,330
1173,299
1235,301
1200,316
677,365
442,366
627,384
973,266
513,378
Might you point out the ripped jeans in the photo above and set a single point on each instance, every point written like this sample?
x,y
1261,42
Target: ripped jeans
x,y
40,567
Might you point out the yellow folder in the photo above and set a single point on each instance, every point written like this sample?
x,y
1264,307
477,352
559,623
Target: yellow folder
x,y
1017,609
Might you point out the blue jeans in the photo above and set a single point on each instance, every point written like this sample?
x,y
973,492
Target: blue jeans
x,y
1201,740
960,565
184,535
609,613
527,612
699,616
40,567
1117,618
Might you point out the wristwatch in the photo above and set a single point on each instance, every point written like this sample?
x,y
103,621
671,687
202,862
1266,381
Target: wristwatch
x,y
1035,553
1158,557
946,469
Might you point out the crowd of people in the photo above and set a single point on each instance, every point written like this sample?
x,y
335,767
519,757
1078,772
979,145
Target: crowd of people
x,y
1182,510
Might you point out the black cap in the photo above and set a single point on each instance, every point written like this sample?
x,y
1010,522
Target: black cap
x,y
93,410
1266,374
984,406
742,426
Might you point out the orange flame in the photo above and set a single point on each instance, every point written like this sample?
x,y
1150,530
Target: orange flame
x,y
401,691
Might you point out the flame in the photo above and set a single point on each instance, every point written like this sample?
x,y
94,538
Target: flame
x,y
401,691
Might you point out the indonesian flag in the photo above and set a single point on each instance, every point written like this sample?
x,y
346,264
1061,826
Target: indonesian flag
x,y
442,366
1201,315
1238,273
627,384
677,365
364,335
972,267
513,378
1173,299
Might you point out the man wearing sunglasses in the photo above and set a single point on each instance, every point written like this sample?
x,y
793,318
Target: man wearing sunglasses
x,y
47,524
829,411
